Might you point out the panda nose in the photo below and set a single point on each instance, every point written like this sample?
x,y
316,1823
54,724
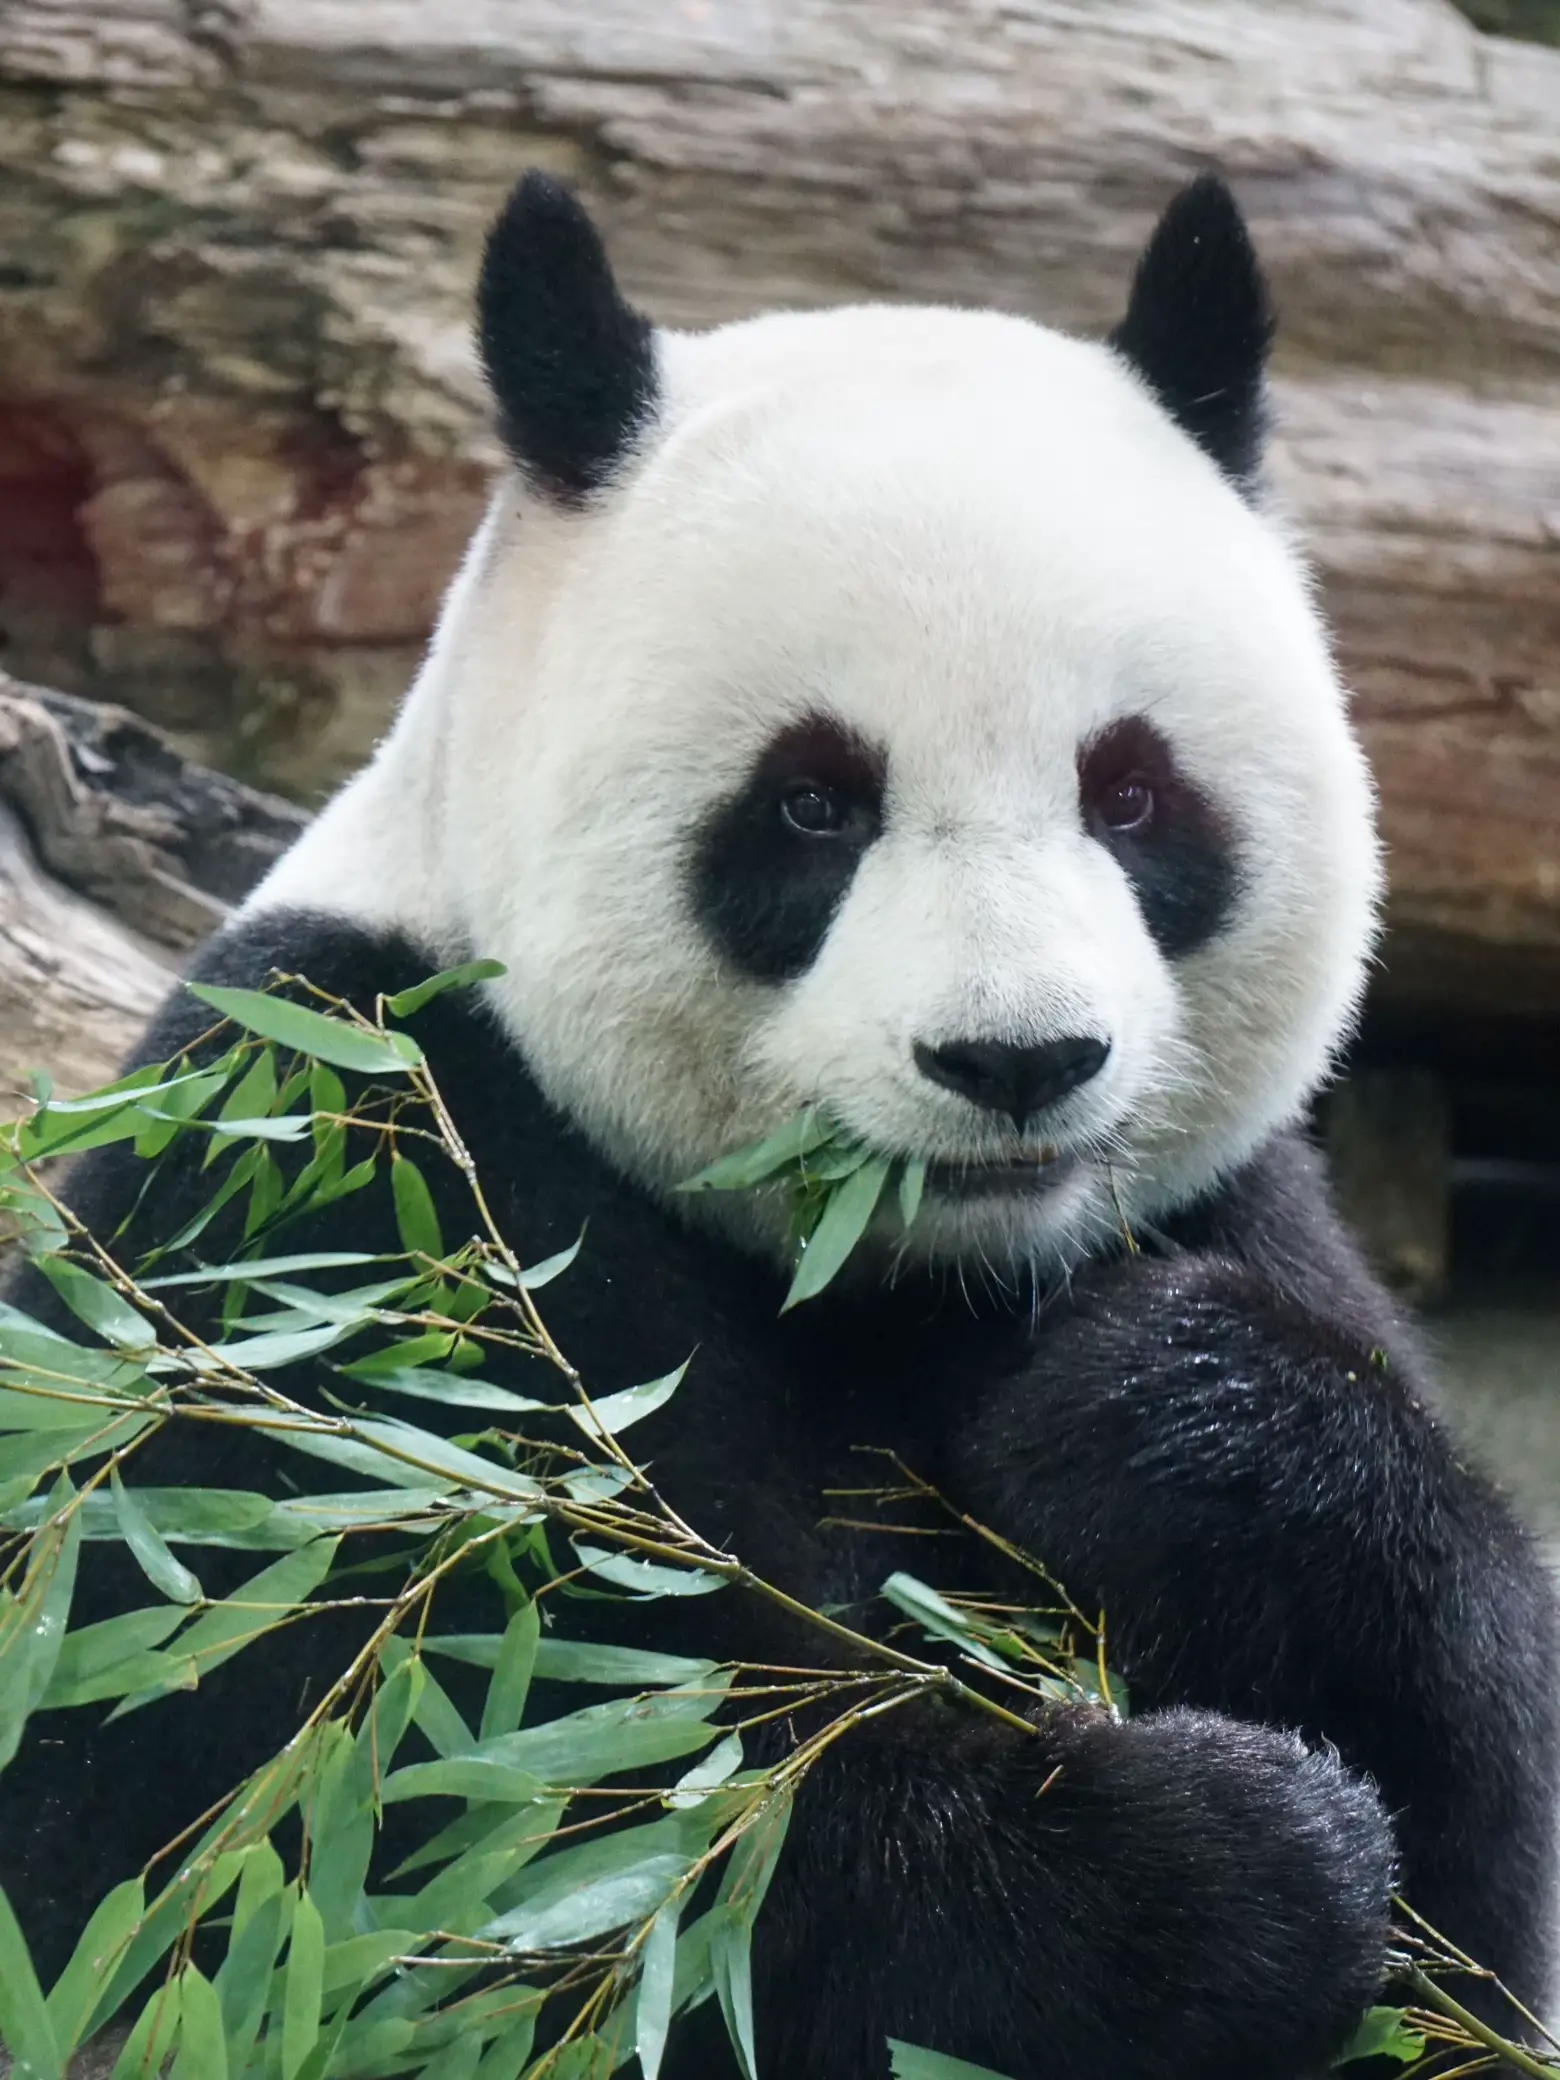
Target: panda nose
x,y
1002,1076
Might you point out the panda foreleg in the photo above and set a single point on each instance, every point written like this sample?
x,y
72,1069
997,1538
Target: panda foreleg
x,y
1174,1896
1278,1529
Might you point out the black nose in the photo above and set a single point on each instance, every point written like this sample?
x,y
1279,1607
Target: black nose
x,y
1017,1080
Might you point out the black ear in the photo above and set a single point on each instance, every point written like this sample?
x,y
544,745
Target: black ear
x,y
571,365
1199,325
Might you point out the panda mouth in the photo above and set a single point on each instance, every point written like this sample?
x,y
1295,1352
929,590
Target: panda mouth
x,y
1009,1177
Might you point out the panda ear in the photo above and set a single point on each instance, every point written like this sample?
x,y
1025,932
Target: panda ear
x,y
1199,325
570,364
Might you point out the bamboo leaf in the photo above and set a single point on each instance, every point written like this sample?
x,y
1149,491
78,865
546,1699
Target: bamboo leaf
x,y
146,1542
94,1660
911,2063
534,1276
644,1577
333,1040
95,1302
26,2028
265,1601
504,1706
32,1629
154,2036
598,1741
557,1918
253,1096
614,1412
746,1167
1383,2033
696,1784
264,1267
657,1976
580,1661
103,1943
408,1001
912,1188
423,1384
731,1961
841,1227
202,2038
941,1619
416,1220
304,1988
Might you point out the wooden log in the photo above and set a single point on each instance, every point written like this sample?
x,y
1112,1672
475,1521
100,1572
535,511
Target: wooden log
x,y
116,857
238,407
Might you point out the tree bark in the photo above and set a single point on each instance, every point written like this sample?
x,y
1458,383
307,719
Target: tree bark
x,y
116,857
239,412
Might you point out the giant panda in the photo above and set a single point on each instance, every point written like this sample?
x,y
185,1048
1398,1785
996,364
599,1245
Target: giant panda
x,y
921,714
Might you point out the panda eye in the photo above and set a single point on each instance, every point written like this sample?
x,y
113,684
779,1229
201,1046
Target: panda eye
x,y
817,812
1126,804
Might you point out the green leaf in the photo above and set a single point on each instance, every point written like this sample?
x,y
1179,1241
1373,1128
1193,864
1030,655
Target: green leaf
x,y
95,1302
566,1911
841,1227
644,1577
579,1661
341,1836
267,1353
657,1976
1383,2033
598,1741
504,1706
253,1096
746,1167
103,1943
408,1001
304,1987
465,1776
911,2063
32,1628
614,1412
103,1660
541,1274
245,1980
265,1601
731,1961
202,2039
938,1617
146,1542
423,1384
25,2025
333,1040
155,2033
696,1784
415,1217
912,1186
747,1876
265,1267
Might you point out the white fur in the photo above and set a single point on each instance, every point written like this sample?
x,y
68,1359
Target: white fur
x,y
972,540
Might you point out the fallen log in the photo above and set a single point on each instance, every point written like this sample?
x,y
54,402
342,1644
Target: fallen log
x,y
238,410
116,857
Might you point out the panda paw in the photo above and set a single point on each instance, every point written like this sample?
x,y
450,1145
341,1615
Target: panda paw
x,y
1271,1867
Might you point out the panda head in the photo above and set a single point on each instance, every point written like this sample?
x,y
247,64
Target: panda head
x,y
911,713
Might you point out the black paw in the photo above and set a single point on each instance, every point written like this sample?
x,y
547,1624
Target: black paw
x,y
1262,1874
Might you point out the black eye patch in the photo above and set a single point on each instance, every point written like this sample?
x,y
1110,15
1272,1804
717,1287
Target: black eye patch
x,y
771,866
1170,841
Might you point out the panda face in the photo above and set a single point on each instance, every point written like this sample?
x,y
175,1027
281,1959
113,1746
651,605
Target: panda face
x,y
914,721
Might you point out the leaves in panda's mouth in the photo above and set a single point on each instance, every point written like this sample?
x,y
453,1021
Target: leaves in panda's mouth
x,y
835,1184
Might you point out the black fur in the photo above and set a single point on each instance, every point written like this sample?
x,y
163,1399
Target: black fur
x,y
1199,325
1181,862
571,365
1200,1438
765,891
